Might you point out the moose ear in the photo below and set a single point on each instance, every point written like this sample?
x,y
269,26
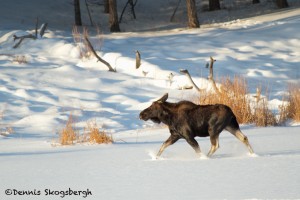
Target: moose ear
x,y
163,98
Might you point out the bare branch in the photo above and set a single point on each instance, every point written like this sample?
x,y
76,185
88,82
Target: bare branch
x,y
186,72
21,38
98,57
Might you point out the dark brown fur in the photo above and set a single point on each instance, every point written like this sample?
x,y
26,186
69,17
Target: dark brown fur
x,y
188,120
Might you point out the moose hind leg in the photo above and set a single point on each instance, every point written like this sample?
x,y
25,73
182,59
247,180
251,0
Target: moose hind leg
x,y
239,135
214,145
171,140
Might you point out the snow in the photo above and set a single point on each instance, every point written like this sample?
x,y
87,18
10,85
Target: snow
x,y
36,98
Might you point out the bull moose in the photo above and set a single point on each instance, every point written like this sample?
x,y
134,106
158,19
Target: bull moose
x,y
187,120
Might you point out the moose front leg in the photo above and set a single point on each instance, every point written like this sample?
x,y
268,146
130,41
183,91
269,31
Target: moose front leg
x,y
171,140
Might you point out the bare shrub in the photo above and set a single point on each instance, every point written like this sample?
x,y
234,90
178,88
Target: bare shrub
x,y
20,59
84,50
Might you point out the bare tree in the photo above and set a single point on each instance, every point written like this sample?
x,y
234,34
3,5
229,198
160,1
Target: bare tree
x,y
282,3
77,13
192,14
113,16
214,5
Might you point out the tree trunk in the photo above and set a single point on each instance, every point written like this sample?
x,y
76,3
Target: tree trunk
x,y
282,3
214,5
106,6
192,14
77,13
113,16
255,1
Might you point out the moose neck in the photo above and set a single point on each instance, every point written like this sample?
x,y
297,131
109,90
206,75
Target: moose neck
x,y
166,114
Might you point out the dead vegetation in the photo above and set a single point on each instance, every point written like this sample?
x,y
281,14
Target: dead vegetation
x,y
235,94
293,107
68,135
91,134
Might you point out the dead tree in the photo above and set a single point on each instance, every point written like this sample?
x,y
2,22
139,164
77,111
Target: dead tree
x,y
98,57
192,14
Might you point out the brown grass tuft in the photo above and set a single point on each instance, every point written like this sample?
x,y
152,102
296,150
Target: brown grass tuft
x,y
263,116
233,93
93,134
294,102
68,135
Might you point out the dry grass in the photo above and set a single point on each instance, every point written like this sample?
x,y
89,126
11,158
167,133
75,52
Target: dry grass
x,y
233,93
294,102
93,134
68,135
263,116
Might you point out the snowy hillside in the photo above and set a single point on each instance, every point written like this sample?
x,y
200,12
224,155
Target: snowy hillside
x,y
44,81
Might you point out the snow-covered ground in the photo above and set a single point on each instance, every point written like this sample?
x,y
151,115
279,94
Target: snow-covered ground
x,y
37,97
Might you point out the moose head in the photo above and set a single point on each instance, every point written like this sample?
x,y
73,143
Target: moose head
x,y
154,112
